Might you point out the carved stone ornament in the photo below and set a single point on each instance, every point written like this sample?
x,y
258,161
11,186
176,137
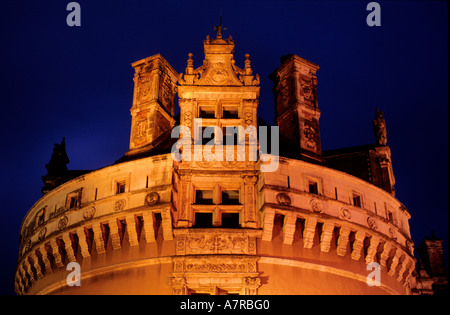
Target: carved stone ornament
x,y
248,116
89,213
345,214
152,198
62,223
283,199
215,243
372,223
119,205
316,206
42,233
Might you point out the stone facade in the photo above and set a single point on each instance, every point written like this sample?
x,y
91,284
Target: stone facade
x,y
152,224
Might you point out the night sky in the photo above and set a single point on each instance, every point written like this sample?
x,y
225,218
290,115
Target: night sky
x,y
76,82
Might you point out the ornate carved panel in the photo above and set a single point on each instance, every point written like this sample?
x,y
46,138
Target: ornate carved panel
x,y
218,241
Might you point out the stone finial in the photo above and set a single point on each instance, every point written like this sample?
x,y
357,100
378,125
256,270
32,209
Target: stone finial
x,y
190,64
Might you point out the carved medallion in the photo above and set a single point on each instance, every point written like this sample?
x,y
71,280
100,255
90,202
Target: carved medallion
x,y
119,205
145,88
89,213
372,223
62,223
42,233
345,214
316,206
283,199
219,76
152,198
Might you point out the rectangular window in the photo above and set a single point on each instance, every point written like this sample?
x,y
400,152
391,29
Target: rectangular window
x,y
207,112
230,135
73,203
207,134
73,199
230,112
390,217
204,197
230,220
230,197
313,188
120,187
203,220
357,200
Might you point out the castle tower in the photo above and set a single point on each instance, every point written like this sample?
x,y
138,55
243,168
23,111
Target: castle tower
x,y
218,222
296,108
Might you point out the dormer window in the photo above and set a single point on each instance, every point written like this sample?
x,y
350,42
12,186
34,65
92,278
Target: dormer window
x,y
356,198
313,188
73,200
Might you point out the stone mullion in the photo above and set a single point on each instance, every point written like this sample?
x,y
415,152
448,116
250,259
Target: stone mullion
x,y
249,201
269,216
69,248
327,235
98,238
372,250
342,242
148,227
289,228
184,193
131,229
84,247
309,232
114,234
358,245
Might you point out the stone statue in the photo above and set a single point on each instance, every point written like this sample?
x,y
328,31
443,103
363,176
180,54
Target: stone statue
x,y
379,128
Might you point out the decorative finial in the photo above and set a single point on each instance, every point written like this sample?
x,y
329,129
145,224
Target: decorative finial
x,y
219,27
190,64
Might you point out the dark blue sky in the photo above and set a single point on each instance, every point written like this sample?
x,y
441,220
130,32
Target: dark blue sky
x,y
76,82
